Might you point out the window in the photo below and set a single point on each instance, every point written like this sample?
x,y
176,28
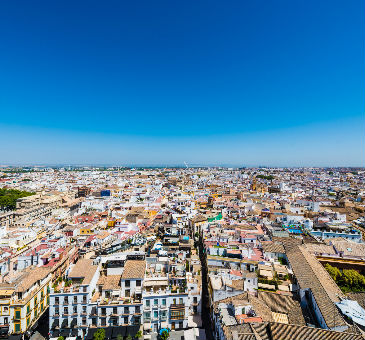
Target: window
x,y
181,301
137,310
177,314
28,322
75,299
65,301
195,299
84,309
126,310
114,321
127,283
36,300
17,327
6,321
147,315
42,307
115,310
84,299
57,311
155,314
56,300
155,302
127,293
137,320
28,309
163,302
17,314
148,303
93,321
75,309
65,310
103,322
138,283
84,321
180,324
42,295
126,320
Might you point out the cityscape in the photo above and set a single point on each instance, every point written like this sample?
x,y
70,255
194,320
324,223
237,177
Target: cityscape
x,y
182,170
182,253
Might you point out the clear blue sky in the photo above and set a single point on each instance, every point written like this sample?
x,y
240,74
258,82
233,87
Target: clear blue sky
x,y
163,82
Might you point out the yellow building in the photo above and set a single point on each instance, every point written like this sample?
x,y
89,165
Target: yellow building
x,y
25,299
86,231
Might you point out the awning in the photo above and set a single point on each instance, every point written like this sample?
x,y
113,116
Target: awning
x,y
90,333
65,332
64,323
74,331
118,331
132,330
56,334
150,283
73,322
4,330
164,324
108,332
55,323
147,326
15,337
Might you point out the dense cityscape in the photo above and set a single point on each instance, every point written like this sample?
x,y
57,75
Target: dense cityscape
x,y
182,253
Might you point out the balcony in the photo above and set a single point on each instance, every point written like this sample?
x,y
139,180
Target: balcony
x,y
177,306
177,316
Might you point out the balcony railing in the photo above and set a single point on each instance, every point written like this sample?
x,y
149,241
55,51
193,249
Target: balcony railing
x,y
177,306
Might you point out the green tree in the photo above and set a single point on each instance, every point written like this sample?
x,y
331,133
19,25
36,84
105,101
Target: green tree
x,y
119,337
353,280
61,338
333,271
99,334
8,198
164,335
129,337
138,334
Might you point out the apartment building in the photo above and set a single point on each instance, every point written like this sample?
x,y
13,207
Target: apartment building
x,y
24,299
70,309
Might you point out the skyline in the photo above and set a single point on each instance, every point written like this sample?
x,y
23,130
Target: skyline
x,y
163,83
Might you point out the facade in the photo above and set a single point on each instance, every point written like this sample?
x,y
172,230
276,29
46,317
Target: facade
x,y
70,309
335,230
24,300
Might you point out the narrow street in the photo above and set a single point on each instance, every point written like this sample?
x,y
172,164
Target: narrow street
x,y
205,293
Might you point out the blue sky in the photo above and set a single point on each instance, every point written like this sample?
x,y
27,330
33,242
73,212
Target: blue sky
x,y
163,82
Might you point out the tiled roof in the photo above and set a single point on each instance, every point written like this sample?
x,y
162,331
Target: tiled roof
x,y
85,269
110,282
284,304
134,269
273,247
311,275
30,276
281,331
